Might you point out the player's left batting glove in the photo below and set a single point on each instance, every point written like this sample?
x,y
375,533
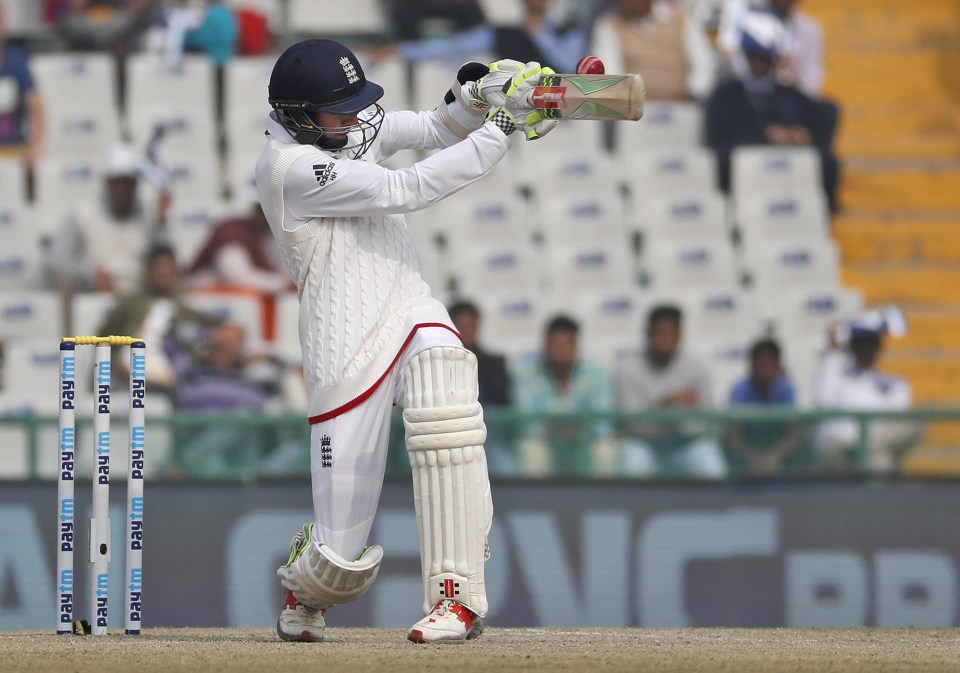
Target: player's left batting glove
x,y
518,100
531,124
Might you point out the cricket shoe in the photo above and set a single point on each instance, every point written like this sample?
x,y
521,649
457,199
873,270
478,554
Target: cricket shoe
x,y
300,623
448,622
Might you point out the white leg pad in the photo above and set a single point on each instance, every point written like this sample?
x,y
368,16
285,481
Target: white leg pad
x,y
444,437
320,577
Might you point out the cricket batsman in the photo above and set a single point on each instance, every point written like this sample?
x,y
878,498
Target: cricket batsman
x,y
371,333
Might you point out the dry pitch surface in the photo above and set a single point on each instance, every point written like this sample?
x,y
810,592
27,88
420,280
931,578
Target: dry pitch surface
x,y
590,650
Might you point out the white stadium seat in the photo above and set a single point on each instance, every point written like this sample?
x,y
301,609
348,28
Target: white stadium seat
x,y
68,180
578,170
777,265
760,169
687,216
676,264
30,374
245,106
574,267
12,181
181,99
194,177
470,218
809,311
189,225
578,217
682,169
611,322
511,322
333,18
664,125
18,227
89,310
30,314
19,269
718,313
80,96
496,268
782,214
393,75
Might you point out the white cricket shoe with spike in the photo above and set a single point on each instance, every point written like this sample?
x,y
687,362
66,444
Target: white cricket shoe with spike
x,y
448,622
300,623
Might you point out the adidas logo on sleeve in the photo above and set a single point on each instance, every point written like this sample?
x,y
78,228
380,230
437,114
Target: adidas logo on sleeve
x,y
324,173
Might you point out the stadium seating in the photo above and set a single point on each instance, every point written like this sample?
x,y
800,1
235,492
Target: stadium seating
x,y
582,217
598,265
496,268
12,181
782,214
188,226
777,265
68,180
80,93
359,17
512,320
766,168
677,264
664,125
611,321
684,216
651,172
29,314
89,310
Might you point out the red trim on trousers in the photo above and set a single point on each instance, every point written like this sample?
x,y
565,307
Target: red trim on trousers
x,y
367,393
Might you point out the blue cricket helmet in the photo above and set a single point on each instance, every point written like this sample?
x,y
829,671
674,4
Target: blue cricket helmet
x,y
319,75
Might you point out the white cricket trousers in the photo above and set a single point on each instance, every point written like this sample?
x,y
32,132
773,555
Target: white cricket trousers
x,y
348,455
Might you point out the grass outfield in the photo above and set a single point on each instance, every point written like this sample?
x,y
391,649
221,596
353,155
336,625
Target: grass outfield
x,y
590,650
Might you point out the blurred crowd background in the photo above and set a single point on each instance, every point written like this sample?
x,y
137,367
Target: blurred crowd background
x,y
758,278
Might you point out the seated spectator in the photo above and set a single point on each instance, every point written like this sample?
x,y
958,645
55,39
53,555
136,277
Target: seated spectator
x,y
763,446
756,109
849,379
410,19
494,381
108,25
539,37
175,334
22,121
800,63
102,244
559,381
225,378
661,41
494,384
241,257
662,376
215,34
241,252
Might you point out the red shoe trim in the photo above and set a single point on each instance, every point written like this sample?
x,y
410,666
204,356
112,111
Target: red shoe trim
x,y
462,613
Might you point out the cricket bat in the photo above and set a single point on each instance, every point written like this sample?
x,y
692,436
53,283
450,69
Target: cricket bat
x,y
590,96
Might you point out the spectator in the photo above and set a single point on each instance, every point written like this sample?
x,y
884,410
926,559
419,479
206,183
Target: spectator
x,y
22,121
409,18
763,446
660,40
494,381
176,334
225,378
539,37
108,25
241,257
215,34
849,379
662,376
559,381
801,62
241,252
757,110
102,244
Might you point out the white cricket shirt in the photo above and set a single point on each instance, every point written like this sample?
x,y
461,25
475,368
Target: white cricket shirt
x,y
340,226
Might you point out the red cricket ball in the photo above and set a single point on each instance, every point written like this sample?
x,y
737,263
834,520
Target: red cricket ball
x,y
590,65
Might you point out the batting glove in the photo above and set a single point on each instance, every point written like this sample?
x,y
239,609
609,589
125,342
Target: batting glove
x,y
506,76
